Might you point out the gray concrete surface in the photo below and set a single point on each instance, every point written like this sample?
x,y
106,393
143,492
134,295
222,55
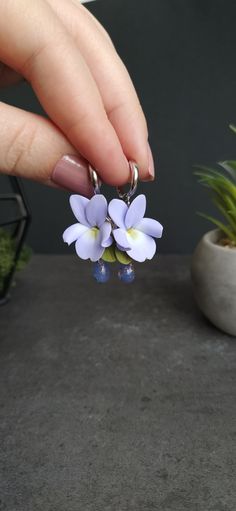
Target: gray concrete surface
x,y
114,397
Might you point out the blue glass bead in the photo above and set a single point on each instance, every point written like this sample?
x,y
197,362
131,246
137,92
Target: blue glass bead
x,y
101,271
126,273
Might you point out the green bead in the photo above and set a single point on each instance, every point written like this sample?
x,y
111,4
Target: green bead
x,y
109,255
122,257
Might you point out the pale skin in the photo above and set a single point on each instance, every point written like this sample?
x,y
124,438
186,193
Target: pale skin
x,y
85,89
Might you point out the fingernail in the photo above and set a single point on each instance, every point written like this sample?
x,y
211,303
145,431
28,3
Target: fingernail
x,y
151,168
72,172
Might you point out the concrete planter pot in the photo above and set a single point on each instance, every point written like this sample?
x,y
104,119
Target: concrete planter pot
x,y
213,272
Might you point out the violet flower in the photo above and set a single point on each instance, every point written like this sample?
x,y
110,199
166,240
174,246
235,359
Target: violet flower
x,y
92,233
133,233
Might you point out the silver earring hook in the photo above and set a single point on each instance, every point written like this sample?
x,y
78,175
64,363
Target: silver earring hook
x,y
96,182
126,196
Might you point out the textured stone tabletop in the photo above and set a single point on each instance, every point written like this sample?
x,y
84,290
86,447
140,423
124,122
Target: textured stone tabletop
x,y
114,397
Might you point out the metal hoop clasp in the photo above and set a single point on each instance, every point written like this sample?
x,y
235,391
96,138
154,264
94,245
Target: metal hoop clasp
x,y
126,196
96,182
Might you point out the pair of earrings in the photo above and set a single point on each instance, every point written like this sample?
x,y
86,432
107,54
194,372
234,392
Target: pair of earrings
x,y
118,231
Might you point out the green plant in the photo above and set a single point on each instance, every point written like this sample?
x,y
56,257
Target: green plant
x,y
7,254
222,185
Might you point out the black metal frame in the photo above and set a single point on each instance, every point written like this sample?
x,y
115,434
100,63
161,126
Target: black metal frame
x,y
19,232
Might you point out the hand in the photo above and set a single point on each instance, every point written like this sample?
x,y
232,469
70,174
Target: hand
x,y
79,79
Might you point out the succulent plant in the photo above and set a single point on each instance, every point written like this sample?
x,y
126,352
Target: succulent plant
x,y
222,186
7,254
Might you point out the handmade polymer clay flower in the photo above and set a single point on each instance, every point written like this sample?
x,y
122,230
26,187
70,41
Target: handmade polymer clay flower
x,y
132,232
92,233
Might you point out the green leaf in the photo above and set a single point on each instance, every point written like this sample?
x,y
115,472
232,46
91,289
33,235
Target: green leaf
x,y
226,214
109,255
232,127
25,257
230,167
220,225
122,257
7,255
222,185
204,171
216,181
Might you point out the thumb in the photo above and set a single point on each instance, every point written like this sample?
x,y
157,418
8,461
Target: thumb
x,y
32,147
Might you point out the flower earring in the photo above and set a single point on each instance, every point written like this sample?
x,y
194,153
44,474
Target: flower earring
x,y
118,231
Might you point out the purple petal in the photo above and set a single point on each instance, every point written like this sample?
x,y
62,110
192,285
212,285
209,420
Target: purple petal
x,y
108,242
117,210
88,246
105,237
151,227
135,212
142,246
73,232
120,248
96,210
78,204
121,238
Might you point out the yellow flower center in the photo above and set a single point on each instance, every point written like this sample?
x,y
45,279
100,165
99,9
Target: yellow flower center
x,y
133,233
94,232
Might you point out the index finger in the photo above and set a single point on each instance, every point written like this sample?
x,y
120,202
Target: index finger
x,y
48,57
114,83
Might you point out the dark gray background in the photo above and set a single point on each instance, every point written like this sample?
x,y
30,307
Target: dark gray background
x,y
181,57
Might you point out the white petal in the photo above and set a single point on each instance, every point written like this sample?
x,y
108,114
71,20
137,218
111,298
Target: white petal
x,y
142,246
108,242
120,248
117,210
135,212
73,232
88,246
78,204
151,227
96,210
105,232
121,238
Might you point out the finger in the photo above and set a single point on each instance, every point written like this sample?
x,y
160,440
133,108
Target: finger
x,y
48,57
116,88
92,17
32,147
